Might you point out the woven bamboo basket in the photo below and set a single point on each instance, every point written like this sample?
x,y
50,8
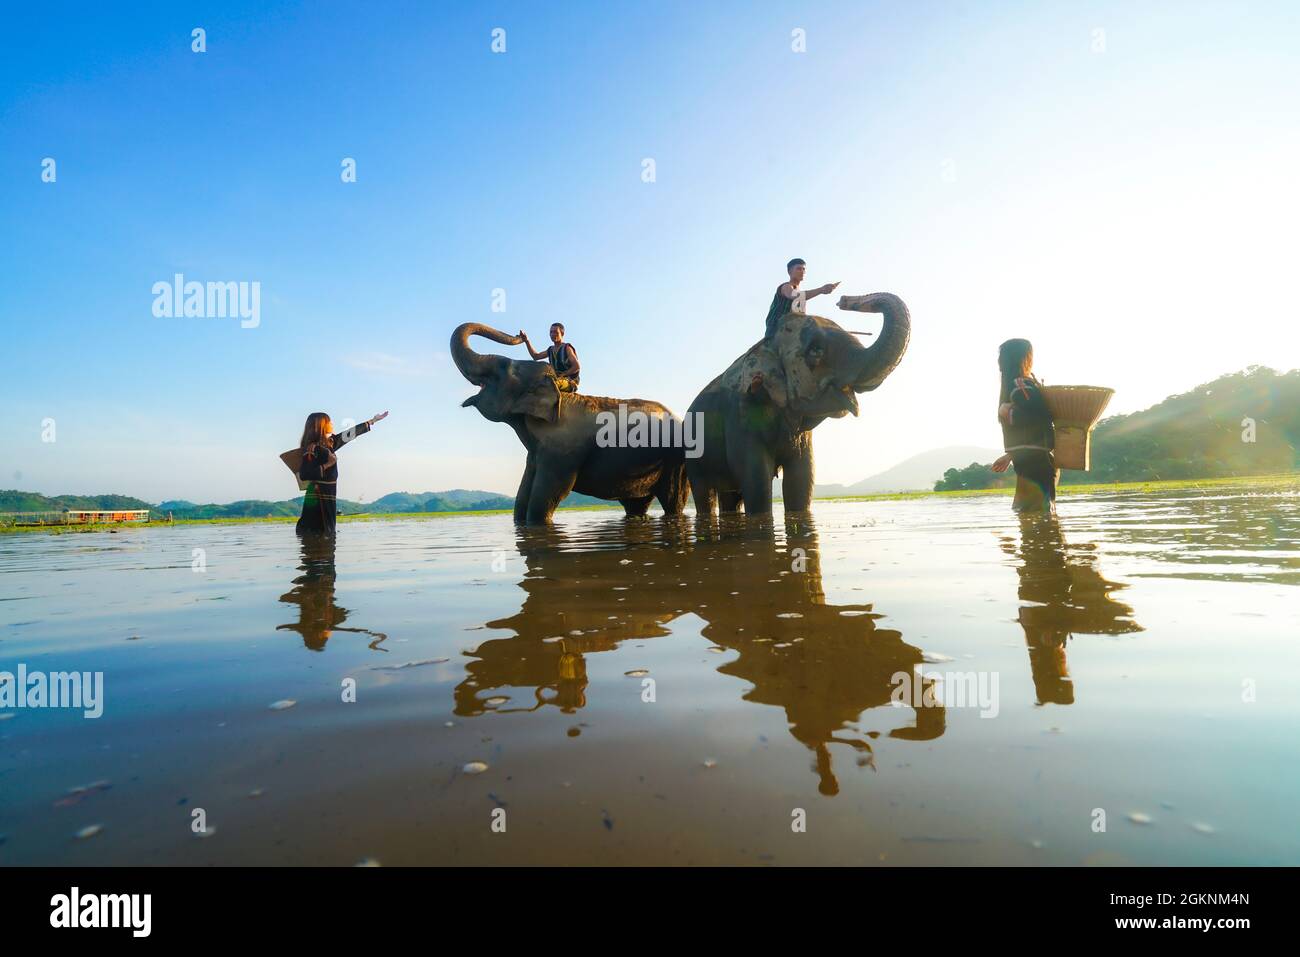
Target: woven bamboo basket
x,y
293,459
1075,410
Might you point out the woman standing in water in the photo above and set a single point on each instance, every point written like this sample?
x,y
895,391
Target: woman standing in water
x,y
1028,434
321,471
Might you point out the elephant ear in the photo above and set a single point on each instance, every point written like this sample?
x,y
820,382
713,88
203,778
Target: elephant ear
x,y
762,377
538,396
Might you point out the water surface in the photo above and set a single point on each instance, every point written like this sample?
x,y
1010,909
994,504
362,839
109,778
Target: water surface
x,y
670,692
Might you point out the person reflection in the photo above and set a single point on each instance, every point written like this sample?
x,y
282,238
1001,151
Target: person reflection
x,y
1062,595
313,593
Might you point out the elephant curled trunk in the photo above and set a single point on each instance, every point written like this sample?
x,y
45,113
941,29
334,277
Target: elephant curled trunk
x,y
473,366
884,355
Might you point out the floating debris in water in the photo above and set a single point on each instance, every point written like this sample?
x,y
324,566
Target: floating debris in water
x,y
283,704
256,792
935,658
475,767
781,644
88,832
710,763
789,614
1137,817
716,649
636,672
1201,827
75,795
449,724
410,664
625,561
496,700
853,612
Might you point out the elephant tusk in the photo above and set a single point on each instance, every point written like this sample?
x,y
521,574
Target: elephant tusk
x,y
857,333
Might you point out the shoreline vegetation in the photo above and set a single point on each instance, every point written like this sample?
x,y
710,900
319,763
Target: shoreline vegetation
x,y
1283,478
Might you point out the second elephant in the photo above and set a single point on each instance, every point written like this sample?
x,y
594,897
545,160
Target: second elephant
x,y
562,433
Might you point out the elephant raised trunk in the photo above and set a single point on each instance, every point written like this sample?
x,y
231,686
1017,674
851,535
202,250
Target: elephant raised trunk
x,y
473,366
885,354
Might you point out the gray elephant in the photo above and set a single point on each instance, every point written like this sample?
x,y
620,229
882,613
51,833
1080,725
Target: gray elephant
x,y
758,416
562,432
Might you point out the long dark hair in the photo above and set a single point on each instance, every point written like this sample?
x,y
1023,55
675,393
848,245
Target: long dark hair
x,y
318,425
1015,360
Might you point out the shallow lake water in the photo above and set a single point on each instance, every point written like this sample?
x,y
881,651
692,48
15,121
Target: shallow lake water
x,y
926,681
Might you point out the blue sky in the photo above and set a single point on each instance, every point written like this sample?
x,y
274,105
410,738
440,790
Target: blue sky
x,y
1124,198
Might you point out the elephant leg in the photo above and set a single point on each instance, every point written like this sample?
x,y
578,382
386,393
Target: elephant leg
x,y
797,481
636,507
756,485
706,497
729,501
671,489
549,488
525,490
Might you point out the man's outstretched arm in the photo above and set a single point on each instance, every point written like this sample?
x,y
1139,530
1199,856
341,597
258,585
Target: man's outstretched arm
x,y
529,346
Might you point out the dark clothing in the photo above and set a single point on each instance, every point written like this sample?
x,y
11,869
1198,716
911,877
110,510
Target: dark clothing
x,y
320,469
561,357
1030,423
1030,436
779,309
1039,468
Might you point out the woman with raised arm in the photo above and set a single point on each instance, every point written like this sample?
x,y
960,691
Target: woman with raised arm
x,y
320,470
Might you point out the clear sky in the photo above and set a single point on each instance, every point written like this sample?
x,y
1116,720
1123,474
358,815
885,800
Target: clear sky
x,y
1117,182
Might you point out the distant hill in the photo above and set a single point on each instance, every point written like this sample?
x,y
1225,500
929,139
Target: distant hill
x,y
452,500
912,474
1199,434
12,500
1244,423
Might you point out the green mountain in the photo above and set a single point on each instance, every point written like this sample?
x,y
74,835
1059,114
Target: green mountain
x,y
1244,423
12,500
452,500
1204,433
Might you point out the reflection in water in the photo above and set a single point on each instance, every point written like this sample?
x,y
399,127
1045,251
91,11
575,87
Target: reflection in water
x,y
313,593
760,595
1064,597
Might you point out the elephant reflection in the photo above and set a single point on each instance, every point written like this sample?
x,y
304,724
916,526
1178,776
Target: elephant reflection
x,y
313,593
823,664
1065,595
